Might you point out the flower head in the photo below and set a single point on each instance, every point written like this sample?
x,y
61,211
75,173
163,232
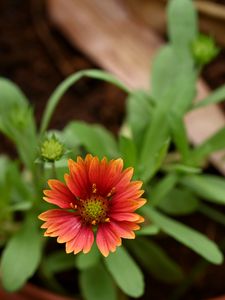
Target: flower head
x,y
98,197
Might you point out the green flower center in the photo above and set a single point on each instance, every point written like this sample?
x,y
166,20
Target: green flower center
x,y
94,210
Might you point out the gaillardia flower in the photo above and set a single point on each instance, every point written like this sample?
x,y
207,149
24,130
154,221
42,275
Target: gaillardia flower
x,y
98,197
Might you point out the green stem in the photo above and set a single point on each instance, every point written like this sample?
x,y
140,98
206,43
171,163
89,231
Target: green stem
x,y
54,172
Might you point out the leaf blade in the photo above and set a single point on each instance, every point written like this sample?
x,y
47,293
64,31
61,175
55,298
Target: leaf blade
x,y
20,258
125,272
209,187
96,284
187,236
95,138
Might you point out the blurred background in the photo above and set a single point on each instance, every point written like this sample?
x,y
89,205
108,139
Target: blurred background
x,y
41,44
37,52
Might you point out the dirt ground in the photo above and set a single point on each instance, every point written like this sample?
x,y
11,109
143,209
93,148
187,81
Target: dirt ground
x,y
38,64
37,57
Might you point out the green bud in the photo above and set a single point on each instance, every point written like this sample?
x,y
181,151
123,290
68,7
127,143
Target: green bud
x,y
51,149
204,49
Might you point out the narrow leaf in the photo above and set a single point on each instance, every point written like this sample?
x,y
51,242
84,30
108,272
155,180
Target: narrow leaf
x,y
156,137
163,187
96,139
214,143
139,110
174,97
58,262
125,272
21,256
163,73
179,134
85,261
17,121
181,168
182,23
11,94
128,151
179,202
187,236
215,97
148,230
209,187
96,284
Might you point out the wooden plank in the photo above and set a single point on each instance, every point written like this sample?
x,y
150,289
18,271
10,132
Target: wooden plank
x,y
119,42
108,34
211,16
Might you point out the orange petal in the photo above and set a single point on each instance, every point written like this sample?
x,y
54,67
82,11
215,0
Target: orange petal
x,y
106,239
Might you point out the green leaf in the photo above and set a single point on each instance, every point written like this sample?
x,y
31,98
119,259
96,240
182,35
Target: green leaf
x,y
128,151
155,261
125,272
96,284
85,261
157,131
21,256
11,94
182,23
182,169
139,110
5,186
16,195
58,261
179,134
17,121
208,187
155,139
215,97
96,139
67,83
160,157
174,97
20,190
170,87
184,91
179,202
187,236
148,230
163,187
214,143
164,73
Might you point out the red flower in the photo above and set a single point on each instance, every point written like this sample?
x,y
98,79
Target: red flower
x,y
97,194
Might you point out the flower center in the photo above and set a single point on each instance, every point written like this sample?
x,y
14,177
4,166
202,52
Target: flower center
x,y
94,210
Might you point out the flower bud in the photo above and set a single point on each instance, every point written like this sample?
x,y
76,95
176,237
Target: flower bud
x,y
204,49
51,149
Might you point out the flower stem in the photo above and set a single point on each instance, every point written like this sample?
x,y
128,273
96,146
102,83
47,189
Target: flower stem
x,y
54,173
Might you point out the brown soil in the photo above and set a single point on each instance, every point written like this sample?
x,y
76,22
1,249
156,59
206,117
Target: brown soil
x,y
38,63
37,60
